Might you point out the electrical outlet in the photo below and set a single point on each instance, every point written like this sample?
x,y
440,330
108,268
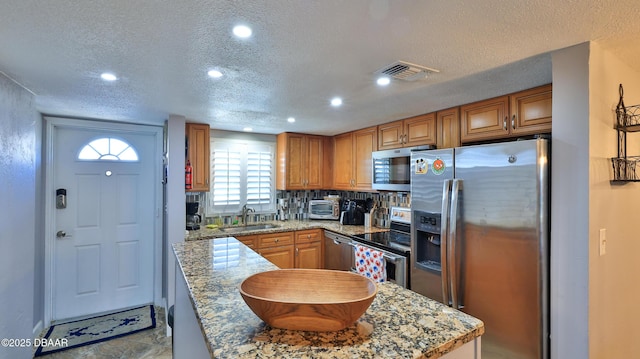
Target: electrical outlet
x,y
603,241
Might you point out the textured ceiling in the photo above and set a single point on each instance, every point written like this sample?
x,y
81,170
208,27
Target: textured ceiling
x,y
301,54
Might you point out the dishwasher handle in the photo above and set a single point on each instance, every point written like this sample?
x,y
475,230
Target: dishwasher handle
x,y
338,239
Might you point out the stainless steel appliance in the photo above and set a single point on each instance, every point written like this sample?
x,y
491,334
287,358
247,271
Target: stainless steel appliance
x,y
391,169
480,236
338,252
324,209
395,245
193,218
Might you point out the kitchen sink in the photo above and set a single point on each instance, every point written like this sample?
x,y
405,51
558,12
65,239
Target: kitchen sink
x,y
254,227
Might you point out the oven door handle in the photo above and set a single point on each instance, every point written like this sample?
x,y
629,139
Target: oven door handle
x,y
392,258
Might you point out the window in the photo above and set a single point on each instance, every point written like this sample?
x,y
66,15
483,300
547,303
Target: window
x,y
242,172
108,149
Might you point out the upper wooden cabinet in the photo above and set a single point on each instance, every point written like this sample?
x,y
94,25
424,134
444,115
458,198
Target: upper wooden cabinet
x,y
522,113
448,128
352,159
410,132
531,111
303,161
197,147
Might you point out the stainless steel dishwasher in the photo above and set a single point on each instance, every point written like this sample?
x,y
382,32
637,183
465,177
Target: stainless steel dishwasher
x,y
338,252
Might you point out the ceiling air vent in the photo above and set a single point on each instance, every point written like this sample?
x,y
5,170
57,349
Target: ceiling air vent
x,y
405,71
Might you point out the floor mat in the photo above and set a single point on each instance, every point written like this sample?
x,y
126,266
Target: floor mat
x,y
94,330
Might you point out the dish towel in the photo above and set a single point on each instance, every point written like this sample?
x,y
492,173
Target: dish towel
x,y
370,263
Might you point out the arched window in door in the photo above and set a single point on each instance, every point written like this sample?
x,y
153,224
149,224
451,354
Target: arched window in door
x,y
108,149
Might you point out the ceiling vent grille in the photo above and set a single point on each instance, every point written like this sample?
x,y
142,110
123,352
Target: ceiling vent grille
x,y
405,71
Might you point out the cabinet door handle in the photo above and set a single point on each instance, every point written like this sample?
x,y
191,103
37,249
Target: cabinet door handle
x,y
405,139
513,122
297,249
504,123
277,240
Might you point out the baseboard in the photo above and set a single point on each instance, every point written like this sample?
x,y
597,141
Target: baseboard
x,y
37,329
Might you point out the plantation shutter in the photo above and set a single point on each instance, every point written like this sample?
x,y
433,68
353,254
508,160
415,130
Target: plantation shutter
x,y
259,169
227,176
242,172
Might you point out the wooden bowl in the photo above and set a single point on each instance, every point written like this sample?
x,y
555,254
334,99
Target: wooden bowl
x,y
308,299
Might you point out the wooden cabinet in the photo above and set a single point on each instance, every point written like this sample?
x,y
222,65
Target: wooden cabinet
x,y
309,249
250,241
197,152
300,249
410,132
280,256
277,248
302,161
448,128
531,111
309,256
522,113
352,159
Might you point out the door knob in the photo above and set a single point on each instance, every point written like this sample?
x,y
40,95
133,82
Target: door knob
x,y
61,234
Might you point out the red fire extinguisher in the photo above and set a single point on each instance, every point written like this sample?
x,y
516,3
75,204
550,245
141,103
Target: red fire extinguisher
x,y
187,176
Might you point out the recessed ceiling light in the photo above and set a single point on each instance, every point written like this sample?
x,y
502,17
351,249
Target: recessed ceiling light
x,y
214,73
247,129
242,31
291,120
336,101
383,81
107,76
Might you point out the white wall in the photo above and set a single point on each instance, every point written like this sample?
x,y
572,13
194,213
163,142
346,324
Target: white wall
x,y
570,204
614,312
19,122
176,207
594,311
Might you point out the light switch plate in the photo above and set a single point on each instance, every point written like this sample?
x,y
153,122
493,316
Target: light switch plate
x,y
603,241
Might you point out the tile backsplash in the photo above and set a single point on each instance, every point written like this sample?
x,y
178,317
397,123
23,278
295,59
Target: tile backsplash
x,y
294,205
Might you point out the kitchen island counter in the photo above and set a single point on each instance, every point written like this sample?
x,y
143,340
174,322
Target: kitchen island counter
x,y
398,324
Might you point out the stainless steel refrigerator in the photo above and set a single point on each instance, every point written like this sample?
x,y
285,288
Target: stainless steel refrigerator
x,y
480,239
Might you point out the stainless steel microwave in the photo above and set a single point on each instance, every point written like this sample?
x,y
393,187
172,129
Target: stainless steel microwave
x,y
391,169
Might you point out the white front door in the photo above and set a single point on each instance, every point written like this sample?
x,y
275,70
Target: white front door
x,y
103,251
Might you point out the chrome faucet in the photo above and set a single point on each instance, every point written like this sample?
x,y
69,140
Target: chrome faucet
x,y
245,213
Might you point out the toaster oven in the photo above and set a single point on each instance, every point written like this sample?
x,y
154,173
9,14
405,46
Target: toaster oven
x,y
324,209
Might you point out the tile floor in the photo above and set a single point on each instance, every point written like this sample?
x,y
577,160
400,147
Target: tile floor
x,y
147,344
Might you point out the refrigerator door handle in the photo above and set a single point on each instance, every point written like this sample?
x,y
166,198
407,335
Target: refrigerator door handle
x,y
444,239
451,244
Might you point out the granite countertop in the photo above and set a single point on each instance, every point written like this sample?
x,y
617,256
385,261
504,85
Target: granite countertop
x,y
398,324
285,226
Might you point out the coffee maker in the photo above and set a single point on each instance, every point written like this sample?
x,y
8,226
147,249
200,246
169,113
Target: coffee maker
x,y
353,211
193,218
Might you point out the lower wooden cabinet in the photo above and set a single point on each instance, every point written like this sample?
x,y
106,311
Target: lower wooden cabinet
x,y
299,249
250,241
281,256
277,248
308,249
